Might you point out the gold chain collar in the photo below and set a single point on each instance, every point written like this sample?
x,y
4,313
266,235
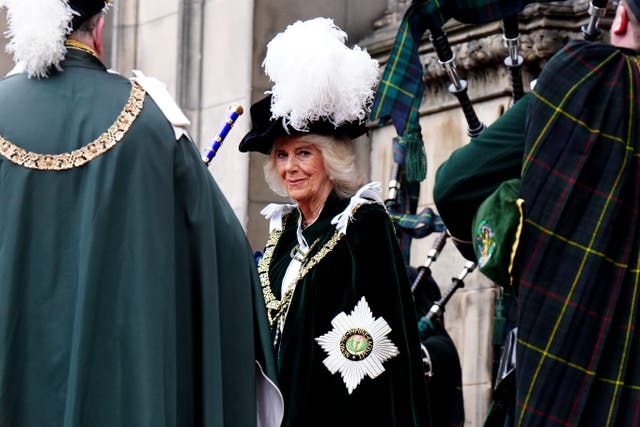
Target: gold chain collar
x,y
84,155
277,309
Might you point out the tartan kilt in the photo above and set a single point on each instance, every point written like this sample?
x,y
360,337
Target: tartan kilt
x,y
578,358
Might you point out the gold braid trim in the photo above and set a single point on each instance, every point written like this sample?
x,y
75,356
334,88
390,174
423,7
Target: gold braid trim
x,y
277,309
81,156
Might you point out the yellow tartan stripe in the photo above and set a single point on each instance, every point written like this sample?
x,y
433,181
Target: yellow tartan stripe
x,y
556,358
578,272
578,121
575,244
577,367
387,82
634,299
627,386
557,111
399,89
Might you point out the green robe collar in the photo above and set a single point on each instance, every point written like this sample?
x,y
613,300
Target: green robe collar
x,y
79,58
332,207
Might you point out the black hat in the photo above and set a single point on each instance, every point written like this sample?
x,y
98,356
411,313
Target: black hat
x,y
265,130
85,9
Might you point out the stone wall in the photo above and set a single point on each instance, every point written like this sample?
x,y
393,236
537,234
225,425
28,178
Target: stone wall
x,y
201,49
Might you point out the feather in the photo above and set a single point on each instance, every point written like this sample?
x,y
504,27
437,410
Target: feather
x,y
317,77
37,31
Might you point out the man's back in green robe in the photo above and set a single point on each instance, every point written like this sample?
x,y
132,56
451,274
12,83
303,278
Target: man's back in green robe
x,y
126,284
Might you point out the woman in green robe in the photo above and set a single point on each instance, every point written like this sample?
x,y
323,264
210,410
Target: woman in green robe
x,y
338,299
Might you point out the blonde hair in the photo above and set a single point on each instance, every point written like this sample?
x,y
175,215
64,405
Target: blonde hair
x,y
339,156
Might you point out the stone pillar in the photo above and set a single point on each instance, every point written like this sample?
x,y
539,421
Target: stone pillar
x,y
201,49
6,62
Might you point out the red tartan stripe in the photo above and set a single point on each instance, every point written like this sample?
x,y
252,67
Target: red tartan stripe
x,y
567,95
579,184
576,367
555,212
542,291
602,335
549,355
538,412
593,67
583,248
551,220
584,125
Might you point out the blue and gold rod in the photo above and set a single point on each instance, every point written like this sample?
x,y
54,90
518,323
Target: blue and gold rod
x,y
235,112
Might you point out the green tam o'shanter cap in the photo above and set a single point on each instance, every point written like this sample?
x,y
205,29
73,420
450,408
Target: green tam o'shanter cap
x,y
496,231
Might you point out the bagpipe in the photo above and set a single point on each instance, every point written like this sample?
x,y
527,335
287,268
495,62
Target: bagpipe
x,y
399,99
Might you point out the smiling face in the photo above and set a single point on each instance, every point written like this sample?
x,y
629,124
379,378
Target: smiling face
x,y
300,165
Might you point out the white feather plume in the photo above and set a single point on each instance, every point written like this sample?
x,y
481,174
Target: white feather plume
x,y
316,76
37,31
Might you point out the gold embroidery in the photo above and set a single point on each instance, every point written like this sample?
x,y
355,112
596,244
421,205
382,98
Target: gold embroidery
x,y
81,156
75,44
277,309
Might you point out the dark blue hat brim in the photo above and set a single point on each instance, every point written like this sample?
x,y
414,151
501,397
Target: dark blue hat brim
x,y
265,131
86,9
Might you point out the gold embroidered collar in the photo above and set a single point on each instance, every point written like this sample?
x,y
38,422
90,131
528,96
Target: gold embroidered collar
x,y
75,44
277,309
81,156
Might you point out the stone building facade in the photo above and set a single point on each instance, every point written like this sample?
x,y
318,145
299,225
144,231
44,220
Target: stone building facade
x,y
209,52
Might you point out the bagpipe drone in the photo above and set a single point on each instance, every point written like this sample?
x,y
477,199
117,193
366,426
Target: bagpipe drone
x,y
399,99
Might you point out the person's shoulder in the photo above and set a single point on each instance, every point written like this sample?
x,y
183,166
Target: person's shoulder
x,y
162,98
371,211
580,53
364,206
370,218
572,64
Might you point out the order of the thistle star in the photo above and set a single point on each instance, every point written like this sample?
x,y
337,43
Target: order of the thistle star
x,y
356,344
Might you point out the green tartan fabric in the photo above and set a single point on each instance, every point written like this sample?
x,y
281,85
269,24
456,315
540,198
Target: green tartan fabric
x,y
578,361
401,87
410,224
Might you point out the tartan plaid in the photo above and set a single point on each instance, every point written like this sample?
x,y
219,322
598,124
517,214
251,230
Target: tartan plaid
x,y
578,361
410,225
401,88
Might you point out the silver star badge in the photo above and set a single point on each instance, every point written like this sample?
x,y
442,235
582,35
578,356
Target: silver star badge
x,y
357,345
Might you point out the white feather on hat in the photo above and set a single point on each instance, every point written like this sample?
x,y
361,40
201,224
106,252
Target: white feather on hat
x,y
317,77
37,32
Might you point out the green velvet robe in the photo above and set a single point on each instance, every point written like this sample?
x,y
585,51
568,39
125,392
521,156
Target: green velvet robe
x,y
366,262
127,284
